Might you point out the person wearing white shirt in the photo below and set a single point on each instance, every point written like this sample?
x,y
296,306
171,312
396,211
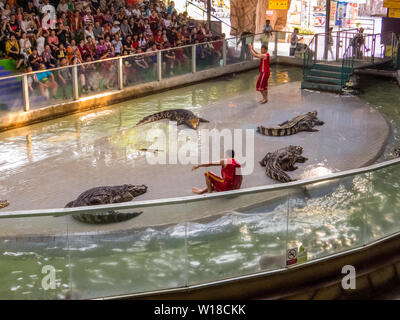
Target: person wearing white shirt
x,y
89,32
62,7
136,11
1,5
40,44
25,46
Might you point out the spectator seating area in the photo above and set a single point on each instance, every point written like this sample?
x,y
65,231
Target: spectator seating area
x,y
46,34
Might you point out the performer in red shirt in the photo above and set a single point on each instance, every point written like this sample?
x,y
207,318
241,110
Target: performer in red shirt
x,y
262,83
231,175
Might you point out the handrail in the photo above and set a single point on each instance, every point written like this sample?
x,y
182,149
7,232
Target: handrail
x,y
111,59
130,56
180,200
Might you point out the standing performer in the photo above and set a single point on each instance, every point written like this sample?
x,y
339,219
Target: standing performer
x,y
231,175
262,83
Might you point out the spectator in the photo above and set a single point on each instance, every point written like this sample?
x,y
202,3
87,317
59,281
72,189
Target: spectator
x,y
47,32
46,81
65,77
13,51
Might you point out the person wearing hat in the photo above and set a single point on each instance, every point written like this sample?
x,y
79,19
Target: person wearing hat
x,y
115,29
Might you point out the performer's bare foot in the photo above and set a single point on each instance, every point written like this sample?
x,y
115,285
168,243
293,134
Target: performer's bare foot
x,y
264,101
199,191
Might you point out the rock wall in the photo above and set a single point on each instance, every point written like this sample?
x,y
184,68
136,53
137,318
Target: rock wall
x,y
250,15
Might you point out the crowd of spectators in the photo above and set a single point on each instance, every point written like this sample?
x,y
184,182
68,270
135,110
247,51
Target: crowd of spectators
x,y
45,34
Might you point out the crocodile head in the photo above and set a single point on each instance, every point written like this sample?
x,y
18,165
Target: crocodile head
x,y
193,123
135,191
296,149
313,113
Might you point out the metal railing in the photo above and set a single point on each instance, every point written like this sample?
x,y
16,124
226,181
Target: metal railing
x,y
100,76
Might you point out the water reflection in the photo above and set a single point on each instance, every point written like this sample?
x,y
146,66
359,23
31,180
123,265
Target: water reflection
x,y
51,138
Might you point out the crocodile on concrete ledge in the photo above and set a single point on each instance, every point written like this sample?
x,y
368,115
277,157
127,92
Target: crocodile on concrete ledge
x,y
276,163
107,195
304,122
181,116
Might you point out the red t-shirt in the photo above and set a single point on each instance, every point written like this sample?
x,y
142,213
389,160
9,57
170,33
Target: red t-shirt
x,y
264,64
232,177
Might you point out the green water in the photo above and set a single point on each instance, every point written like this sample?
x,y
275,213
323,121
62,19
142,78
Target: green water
x,y
329,218
385,95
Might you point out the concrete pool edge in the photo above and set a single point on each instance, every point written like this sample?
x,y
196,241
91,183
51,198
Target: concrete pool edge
x,y
377,268
31,228
21,119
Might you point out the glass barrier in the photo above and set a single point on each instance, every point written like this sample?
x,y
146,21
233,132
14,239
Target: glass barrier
x,y
97,77
209,55
168,246
328,217
139,69
238,235
145,253
11,94
176,62
237,50
34,265
383,218
50,87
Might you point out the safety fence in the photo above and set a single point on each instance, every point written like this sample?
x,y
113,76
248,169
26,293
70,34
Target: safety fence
x,y
216,237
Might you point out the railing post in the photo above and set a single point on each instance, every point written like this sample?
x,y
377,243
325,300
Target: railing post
x,y
25,91
393,37
337,46
120,74
276,44
224,47
316,47
194,59
159,65
75,82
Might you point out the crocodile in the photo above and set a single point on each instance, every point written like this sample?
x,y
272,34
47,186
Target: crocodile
x,y
181,116
4,203
304,122
281,160
107,195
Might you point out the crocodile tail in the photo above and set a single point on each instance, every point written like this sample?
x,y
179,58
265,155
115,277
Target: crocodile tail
x,y
274,132
278,175
155,117
70,204
105,218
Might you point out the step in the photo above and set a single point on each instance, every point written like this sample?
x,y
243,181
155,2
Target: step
x,y
324,73
328,67
319,79
1,68
321,86
9,86
4,84
4,73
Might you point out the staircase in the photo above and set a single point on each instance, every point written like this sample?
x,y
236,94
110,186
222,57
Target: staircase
x,y
10,91
332,76
325,77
